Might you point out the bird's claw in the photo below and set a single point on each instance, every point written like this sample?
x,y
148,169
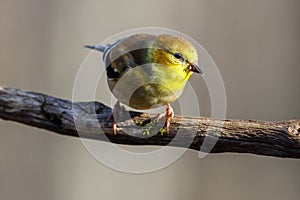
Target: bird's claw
x,y
169,117
169,114
117,110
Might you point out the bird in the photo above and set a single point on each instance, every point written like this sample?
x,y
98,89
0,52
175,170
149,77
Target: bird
x,y
147,71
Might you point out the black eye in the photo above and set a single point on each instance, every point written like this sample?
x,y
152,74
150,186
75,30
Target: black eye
x,y
178,55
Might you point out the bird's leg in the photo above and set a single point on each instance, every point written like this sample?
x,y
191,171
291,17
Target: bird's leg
x,y
116,111
169,114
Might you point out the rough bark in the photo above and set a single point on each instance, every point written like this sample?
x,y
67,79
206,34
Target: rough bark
x,y
89,120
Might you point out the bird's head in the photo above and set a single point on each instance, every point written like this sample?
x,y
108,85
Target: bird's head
x,y
176,53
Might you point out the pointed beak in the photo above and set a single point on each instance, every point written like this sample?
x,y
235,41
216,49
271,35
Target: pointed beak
x,y
196,68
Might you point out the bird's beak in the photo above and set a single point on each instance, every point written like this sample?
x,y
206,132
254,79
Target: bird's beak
x,y
196,68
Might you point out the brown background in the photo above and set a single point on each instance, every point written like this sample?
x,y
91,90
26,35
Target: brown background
x,y
255,44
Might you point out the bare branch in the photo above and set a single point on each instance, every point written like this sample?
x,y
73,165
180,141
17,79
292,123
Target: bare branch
x,y
280,139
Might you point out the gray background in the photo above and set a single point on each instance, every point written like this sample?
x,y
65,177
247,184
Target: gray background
x,y
255,44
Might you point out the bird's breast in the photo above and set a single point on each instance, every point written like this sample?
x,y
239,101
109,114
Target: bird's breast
x,y
147,86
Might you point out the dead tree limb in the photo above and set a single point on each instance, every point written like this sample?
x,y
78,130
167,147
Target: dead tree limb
x,y
88,120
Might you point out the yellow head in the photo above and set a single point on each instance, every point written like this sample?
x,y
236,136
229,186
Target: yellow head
x,y
176,53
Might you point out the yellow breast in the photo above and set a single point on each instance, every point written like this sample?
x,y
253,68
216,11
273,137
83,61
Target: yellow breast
x,y
148,86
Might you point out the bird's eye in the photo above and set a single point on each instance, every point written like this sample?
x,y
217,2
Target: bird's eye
x,y
178,55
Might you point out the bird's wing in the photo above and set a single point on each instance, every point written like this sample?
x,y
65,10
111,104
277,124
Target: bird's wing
x,y
127,53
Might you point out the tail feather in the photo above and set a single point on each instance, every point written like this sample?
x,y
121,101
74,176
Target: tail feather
x,y
101,48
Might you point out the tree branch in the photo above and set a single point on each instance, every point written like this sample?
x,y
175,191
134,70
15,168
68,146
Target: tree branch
x,y
280,139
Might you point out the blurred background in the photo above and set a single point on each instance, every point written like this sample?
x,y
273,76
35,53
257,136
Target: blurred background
x,y
254,43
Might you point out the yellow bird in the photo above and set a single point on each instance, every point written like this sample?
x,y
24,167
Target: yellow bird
x,y
147,71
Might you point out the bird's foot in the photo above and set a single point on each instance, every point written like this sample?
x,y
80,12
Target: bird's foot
x,y
117,111
169,117
169,114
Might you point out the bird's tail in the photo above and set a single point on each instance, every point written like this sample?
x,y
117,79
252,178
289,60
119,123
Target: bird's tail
x,y
101,48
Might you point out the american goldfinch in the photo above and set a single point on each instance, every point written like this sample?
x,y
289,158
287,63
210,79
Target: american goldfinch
x,y
147,71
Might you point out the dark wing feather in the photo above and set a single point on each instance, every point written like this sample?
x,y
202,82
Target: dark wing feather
x,y
127,53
